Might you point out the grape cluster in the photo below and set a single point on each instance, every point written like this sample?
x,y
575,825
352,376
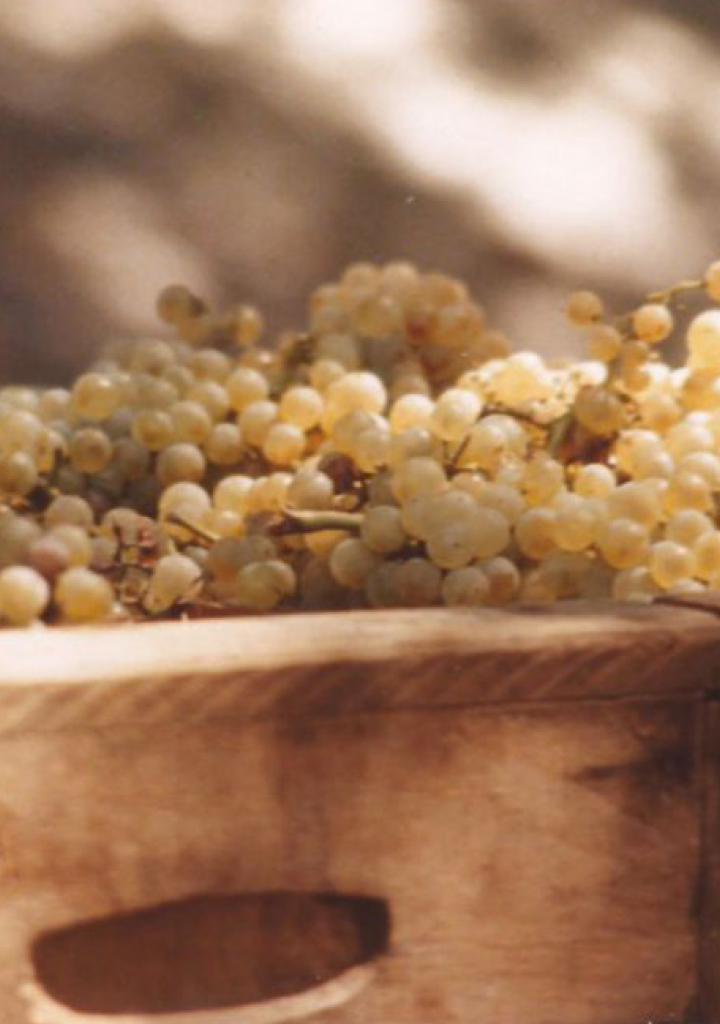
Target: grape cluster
x,y
396,452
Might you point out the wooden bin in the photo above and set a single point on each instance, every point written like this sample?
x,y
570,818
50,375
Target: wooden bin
x,y
404,817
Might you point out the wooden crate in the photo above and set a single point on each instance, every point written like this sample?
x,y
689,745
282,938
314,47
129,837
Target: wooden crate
x,y
411,817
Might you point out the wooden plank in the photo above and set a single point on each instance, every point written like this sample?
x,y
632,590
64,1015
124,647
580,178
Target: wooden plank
x,y
336,664
522,787
709,882
706,600
538,863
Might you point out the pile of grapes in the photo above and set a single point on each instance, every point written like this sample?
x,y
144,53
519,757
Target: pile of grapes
x,y
394,453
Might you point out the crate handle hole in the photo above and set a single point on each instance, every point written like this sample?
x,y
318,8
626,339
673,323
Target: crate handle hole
x,y
219,952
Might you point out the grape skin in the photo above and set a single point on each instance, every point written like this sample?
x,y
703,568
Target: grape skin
x,y
204,470
24,594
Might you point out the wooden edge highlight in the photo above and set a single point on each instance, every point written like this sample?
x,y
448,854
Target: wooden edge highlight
x,y
706,601
352,663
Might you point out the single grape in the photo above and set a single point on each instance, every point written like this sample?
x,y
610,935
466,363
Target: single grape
x,y
24,594
83,596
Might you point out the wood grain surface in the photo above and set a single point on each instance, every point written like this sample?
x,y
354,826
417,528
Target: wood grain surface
x,y
538,865
531,796
346,663
709,879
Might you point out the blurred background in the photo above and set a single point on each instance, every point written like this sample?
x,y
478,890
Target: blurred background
x,y
252,148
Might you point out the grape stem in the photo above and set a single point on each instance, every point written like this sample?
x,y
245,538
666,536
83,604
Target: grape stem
x,y
623,321
493,410
207,536
558,432
454,460
312,522
501,410
681,288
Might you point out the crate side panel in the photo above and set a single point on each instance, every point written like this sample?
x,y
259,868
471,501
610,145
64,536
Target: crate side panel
x,y
539,864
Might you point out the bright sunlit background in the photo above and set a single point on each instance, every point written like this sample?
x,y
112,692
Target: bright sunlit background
x,y
251,148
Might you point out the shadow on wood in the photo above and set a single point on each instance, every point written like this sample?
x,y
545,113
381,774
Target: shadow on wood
x,y
209,951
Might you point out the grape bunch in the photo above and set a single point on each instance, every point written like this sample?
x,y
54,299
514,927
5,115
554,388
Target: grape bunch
x,y
395,452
